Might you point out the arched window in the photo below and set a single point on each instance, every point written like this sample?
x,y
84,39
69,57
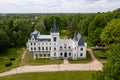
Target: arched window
x,y
81,49
34,48
54,39
42,48
60,47
31,48
81,54
39,48
69,47
46,48
65,47
55,49
61,54
69,54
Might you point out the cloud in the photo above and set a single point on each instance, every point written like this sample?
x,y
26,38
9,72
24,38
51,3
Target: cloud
x,y
57,6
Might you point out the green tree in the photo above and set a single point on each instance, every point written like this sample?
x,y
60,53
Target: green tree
x,y
4,40
95,28
111,33
72,29
21,31
40,25
111,69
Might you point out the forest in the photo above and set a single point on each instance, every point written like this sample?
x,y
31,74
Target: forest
x,y
94,27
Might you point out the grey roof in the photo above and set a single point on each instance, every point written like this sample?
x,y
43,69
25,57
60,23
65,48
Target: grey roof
x,y
81,42
78,37
75,37
54,29
35,34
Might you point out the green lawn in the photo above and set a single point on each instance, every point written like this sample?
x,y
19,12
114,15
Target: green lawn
x,y
64,75
63,34
28,60
10,53
88,59
101,55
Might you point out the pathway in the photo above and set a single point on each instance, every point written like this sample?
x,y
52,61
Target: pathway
x,y
23,55
94,65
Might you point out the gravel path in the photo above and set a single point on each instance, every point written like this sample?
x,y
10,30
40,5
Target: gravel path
x,y
93,65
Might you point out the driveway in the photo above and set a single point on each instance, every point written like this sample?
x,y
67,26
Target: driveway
x,y
93,65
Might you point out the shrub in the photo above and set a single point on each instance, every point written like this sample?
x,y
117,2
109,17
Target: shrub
x,y
8,64
103,57
12,59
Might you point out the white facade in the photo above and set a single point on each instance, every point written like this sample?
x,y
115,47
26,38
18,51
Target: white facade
x,y
51,46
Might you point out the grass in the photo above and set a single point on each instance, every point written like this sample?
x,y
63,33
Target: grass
x,y
63,75
10,53
28,60
101,55
63,34
88,59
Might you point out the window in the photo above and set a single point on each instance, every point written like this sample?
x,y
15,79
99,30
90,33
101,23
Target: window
x,y
46,48
46,43
42,43
81,54
60,47
54,48
34,43
69,54
54,39
39,48
34,48
65,47
50,48
42,48
69,47
61,54
54,54
31,48
81,49
31,43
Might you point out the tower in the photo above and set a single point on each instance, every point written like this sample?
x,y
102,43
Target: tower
x,y
75,44
54,41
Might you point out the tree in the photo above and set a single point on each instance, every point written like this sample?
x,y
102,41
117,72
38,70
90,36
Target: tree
x,y
21,30
4,40
40,25
111,33
111,69
72,29
95,28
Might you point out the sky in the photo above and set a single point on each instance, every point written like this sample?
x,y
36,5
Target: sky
x,y
58,6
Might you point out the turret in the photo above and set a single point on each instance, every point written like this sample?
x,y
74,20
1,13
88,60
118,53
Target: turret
x,y
54,41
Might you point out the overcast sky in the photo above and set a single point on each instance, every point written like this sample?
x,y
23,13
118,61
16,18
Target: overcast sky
x,y
57,6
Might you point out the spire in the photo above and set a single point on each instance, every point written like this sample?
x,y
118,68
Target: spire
x,y
54,23
75,36
54,29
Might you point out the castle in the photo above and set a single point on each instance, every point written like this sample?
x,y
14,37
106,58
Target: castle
x,y
51,46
